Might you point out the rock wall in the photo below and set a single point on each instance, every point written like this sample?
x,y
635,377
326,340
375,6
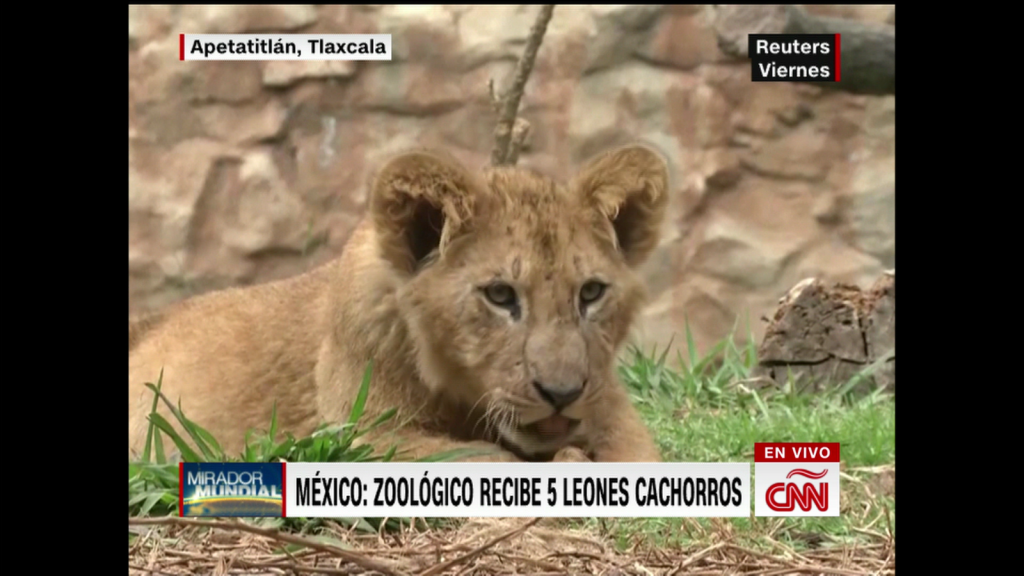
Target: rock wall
x,y
244,172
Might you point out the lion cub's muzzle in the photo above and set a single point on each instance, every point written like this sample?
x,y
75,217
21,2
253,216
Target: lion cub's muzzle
x,y
559,396
558,426
555,418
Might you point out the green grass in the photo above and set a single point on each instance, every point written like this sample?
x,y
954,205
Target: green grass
x,y
153,479
712,409
703,408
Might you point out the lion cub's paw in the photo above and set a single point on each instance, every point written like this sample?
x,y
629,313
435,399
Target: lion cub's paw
x,y
571,454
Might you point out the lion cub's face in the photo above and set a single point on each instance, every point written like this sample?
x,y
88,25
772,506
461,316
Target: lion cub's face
x,y
518,290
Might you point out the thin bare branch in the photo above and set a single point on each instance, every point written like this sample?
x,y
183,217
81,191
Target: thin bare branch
x,y
519,133
504,132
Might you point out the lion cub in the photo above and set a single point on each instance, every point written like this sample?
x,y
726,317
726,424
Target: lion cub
x,y
492,306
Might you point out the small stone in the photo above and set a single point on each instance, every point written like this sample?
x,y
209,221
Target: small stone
x,y
279,73
826,209
800,154
793,116
235,19
243,124
734,23
682,39
724,168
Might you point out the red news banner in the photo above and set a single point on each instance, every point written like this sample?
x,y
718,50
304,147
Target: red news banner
x,y
796,479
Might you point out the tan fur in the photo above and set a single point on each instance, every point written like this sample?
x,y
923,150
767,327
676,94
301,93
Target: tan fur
x,y
408,293
139,326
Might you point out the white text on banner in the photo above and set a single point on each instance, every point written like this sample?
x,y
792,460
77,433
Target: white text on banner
x,y
554,490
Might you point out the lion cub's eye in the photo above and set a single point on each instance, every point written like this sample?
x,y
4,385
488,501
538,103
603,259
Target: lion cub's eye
x,y
500,294
591,292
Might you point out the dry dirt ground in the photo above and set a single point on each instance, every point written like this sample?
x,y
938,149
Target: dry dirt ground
x,y
483,546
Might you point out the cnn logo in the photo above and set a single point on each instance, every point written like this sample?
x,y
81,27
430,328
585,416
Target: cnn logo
x,y
796,479
793,495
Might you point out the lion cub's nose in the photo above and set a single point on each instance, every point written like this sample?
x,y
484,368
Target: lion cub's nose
x,y
559,397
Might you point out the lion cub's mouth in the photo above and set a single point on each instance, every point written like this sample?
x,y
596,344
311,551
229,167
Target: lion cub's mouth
x,y
552,427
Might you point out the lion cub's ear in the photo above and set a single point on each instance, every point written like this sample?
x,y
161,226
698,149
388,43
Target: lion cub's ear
x,y
418,202
628,186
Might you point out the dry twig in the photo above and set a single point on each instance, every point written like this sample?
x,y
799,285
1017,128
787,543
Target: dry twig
x,y
510,133
539,550
437,569
274,535
699,555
